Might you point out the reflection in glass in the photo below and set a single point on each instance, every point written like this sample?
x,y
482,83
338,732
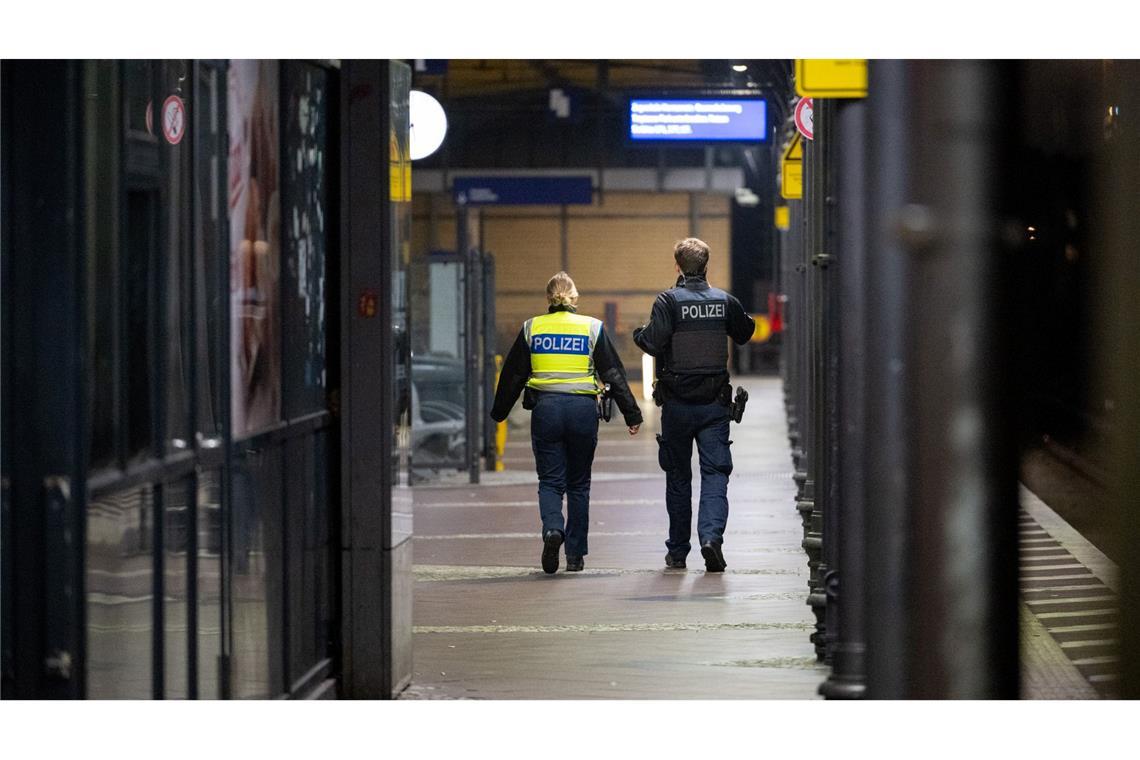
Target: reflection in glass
x,y
177,267
176,503
400,172
120,574
309,555
257,575
210,245
305,217
255,244
209,582
140,111
101,156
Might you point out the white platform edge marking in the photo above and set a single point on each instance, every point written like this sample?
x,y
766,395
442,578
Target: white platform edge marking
x,y
1066,535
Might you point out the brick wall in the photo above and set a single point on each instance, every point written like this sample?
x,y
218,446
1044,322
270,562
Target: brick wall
x,y
619,250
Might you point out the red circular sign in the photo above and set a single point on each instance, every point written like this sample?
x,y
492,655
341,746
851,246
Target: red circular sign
x,y
803,117
173,119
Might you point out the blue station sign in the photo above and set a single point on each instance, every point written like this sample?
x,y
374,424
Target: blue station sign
x,y
523,191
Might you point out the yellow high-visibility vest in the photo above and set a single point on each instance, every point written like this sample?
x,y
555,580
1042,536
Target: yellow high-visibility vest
x,y
562,352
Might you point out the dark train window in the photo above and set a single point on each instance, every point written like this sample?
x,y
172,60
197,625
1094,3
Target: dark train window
x,y
140,312
101,94
305,220
140,111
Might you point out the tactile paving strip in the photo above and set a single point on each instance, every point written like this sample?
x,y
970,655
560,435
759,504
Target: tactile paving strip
x,y
1074,606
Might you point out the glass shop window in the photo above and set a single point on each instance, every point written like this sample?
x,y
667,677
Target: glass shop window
x,y
304,201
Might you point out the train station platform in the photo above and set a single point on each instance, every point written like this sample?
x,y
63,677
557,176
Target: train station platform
x,y
490,624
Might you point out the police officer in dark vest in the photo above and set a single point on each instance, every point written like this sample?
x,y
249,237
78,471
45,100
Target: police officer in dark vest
x,y
687,332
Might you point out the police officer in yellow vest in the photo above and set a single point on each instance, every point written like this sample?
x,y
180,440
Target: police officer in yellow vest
x,y
563,359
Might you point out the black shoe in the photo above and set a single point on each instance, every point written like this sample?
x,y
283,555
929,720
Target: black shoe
x,y
714,560
551,541
574,564
675,562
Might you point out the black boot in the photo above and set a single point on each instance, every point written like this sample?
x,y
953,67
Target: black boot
x,y
574,564
714,560
551,542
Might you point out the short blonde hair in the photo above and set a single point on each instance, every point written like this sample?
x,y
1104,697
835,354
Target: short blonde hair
x,y
560,291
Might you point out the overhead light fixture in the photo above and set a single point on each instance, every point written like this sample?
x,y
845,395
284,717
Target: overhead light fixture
x,y
740,67
428,124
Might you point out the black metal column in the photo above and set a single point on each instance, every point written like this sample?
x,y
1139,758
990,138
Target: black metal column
x,y
815,486
887,389
1119,353
825,260
963,602
472,324
45,342
375,578
847,679
791,346
489,353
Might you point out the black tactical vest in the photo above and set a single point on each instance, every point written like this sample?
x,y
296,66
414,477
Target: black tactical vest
x,y
700,330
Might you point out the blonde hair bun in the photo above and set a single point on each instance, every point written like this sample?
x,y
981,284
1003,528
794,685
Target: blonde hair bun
x,y
560,290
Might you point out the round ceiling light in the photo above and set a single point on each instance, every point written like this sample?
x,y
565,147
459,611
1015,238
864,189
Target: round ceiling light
x,y
428,124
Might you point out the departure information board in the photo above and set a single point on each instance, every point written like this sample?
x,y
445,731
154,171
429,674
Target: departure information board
x,y
698,119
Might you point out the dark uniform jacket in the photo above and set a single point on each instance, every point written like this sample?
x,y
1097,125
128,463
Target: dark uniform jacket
x,y
686,334
516,372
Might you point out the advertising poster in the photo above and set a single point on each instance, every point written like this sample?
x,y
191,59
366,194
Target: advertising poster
x,y
255,244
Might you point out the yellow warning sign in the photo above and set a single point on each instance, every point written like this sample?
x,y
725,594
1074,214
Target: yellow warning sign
x,y
831,77
783,218
792,169
795,149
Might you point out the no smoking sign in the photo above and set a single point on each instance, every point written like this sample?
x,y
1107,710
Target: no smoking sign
x,y
173,119
803,118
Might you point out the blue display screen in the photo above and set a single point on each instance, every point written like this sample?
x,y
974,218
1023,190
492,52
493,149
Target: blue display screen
x,y
698,119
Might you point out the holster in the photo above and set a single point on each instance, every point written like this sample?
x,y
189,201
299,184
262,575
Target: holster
x,y
738,404
530,398
605,404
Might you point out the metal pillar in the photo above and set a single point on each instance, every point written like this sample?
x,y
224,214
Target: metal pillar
x,y
814,204
824,260
468,235
1119,358
44,484
887,387
489,352
963,604
847,679
375,583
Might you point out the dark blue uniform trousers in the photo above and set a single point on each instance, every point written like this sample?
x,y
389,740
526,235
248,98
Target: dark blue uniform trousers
x,y
563,435
707,424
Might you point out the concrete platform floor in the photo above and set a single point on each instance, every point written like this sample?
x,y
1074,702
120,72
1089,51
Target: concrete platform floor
x,y
489,624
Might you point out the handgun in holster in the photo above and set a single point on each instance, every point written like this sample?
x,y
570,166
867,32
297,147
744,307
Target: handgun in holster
x,y
738,404
605,404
